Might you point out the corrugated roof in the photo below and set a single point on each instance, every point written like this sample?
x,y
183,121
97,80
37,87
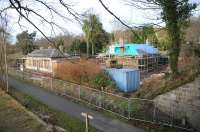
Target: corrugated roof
x,y
48,53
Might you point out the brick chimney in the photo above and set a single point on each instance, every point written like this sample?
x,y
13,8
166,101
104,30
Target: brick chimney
x,y
121,43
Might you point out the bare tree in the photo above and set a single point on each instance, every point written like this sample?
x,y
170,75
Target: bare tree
x,y
3,52
26,10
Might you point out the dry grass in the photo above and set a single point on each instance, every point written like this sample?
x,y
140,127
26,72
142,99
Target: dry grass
x,y
156,85
14,118
189,67
78,72
84,72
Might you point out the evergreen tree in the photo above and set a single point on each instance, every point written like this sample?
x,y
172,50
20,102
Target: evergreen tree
x,y
25,41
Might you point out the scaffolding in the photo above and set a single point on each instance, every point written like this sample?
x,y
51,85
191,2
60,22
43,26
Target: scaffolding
x,y
145,63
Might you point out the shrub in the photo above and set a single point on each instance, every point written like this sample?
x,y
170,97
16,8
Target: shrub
x,y
189,57
196,49
85,72
101,80
78,71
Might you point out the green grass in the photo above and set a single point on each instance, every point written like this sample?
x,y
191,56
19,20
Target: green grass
x,y
55,117
14,117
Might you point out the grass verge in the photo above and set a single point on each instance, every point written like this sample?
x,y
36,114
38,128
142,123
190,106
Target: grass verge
x,y
15,118
54,117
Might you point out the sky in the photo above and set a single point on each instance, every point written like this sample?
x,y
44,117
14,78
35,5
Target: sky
x,y
130,15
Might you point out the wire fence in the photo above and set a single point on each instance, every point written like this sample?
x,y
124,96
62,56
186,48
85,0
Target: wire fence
x,y
129,108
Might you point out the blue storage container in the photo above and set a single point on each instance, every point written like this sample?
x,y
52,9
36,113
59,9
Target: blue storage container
x,y
127,80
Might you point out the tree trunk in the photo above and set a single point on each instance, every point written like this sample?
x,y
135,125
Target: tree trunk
x,y
174,50
92,49
87,49
174,54
174,31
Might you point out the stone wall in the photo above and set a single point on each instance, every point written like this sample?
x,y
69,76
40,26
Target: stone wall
x,y
182,103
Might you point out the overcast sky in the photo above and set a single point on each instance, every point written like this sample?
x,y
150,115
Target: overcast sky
x,y
129,14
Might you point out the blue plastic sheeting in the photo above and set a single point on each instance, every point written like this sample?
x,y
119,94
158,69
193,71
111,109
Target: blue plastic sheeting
x,y
132,49
127,80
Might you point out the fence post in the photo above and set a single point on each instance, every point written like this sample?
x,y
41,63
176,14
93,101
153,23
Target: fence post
x,y
129,109
79,92
63,88
23,75
154,112
102,98
172,111
51,83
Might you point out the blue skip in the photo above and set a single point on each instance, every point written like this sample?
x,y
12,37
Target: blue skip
x,y
127,80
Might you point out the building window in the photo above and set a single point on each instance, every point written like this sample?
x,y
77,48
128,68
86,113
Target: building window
x,y
39,63
34,63
46,64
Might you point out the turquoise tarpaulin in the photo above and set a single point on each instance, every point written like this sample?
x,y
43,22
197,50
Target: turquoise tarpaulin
x,y
132,49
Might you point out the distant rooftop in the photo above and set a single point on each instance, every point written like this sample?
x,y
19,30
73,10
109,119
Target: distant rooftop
x,y
48,53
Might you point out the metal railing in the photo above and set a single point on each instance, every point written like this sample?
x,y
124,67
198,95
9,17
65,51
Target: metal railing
x,y
129,108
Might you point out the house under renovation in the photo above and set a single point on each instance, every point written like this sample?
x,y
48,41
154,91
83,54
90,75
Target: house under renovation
x,y
141,56
44,60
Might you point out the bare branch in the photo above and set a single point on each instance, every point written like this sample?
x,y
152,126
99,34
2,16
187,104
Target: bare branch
x,y
123,23
70,10
142,5
18,9
52,10
25,11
